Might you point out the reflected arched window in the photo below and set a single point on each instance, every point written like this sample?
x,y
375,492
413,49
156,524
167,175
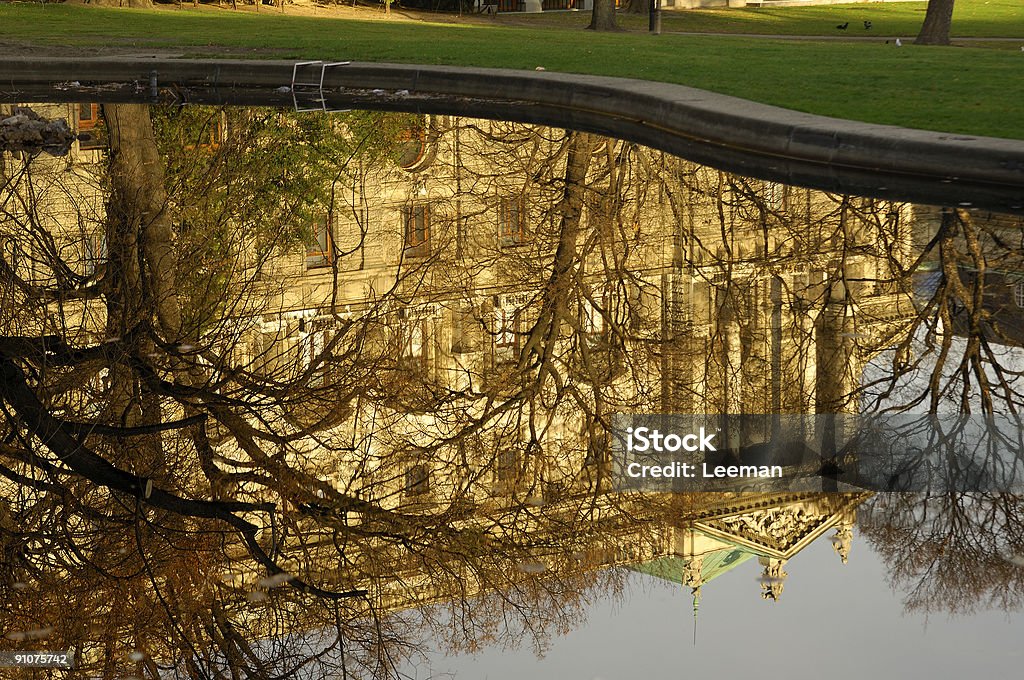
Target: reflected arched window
x,y
416,145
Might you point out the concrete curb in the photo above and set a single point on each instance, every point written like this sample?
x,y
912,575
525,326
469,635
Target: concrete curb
x,y
654,113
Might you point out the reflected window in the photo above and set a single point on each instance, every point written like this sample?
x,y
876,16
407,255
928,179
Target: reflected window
x,y
417,481
512,220
88,115
414,343
94,255
1018,294
775,196
507,465
507,325
416,145
90,124
313,338
412,143
467,331
416,219
507,333
320,249
591,318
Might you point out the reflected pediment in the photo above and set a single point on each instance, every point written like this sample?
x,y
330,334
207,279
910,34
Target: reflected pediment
x,y
782,531
734,531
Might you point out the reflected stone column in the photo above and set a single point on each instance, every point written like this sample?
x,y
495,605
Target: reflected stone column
x,y
835,375
835,356
728,347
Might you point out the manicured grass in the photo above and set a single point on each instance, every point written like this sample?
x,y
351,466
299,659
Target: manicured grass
x,y
963,90
971,18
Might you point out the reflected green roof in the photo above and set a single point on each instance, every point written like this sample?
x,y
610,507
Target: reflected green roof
x,y
714,565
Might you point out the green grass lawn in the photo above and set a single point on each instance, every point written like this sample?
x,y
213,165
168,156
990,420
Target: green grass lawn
x,y
971,19
955,89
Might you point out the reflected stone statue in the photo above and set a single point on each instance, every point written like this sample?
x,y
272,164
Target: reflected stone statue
x,y
692,572
842,540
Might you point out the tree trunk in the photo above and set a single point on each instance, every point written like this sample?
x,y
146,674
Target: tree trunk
x,y
138,211
602,17
140,272
539,349
937,20
637,6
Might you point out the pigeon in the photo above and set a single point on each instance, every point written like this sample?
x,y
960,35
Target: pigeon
x,y
867,25
842,27
899,43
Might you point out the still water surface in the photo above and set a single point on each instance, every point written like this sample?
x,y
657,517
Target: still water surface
x,y
318,396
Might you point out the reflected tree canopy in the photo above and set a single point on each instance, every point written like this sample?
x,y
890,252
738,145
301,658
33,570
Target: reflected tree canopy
x,y
291,395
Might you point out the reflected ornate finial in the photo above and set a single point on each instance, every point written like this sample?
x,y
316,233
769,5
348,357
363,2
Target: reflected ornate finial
x,y
773,579
842,540
696,606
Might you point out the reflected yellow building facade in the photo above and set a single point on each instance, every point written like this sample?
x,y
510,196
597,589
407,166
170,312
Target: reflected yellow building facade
x,y
503,290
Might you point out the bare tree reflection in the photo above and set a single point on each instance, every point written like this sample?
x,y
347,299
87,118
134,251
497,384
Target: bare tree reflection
x,y
956,552
283,395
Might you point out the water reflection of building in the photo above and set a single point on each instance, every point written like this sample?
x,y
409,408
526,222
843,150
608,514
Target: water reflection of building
x,y
695,291
687,290
737,296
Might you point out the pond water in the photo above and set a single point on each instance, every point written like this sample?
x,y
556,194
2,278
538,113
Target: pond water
x,y
348,395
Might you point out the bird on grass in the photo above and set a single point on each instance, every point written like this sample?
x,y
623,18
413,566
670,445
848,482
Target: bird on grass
x,y
899,43
842,27
867,25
